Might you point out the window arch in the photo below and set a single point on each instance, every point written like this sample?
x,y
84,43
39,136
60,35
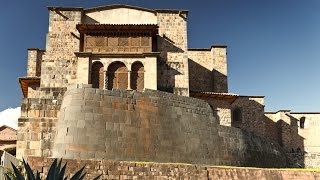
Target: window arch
x,y
302,121
137,76
117,76
97,75
237,115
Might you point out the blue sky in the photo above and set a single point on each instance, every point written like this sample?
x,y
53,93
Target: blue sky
x,y
273,45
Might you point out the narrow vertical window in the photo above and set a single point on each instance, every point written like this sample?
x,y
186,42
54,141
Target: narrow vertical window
x,y
237,115
302,121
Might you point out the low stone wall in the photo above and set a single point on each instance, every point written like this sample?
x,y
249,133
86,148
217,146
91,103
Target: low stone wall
x,y
306,160
153,126
143,170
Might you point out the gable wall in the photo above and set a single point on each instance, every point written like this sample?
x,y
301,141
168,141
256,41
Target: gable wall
x,y
120,16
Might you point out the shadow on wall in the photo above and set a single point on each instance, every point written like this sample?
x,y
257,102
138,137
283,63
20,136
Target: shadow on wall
x,y
285,132
167,70
247,113
89,20
205,80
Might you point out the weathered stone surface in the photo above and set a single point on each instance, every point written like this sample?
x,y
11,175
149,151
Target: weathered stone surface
x,y
37,124
160,127
144,170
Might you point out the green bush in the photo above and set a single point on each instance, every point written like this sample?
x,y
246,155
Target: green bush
x,y
55,173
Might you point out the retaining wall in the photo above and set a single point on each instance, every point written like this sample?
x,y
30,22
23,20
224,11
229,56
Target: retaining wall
x,y
153,126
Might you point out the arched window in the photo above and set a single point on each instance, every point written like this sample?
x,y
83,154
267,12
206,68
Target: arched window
x,y
302,120
97,76
117,76
237,115
137,76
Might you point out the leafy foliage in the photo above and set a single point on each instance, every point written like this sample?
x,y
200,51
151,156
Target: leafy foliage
x,y
55,173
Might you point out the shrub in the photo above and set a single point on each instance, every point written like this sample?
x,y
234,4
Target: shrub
x,y
55,173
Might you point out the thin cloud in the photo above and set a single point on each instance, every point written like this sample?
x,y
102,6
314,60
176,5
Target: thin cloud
x,y
10,117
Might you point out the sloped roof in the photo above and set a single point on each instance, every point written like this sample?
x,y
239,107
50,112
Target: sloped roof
x,y
114,6
6,138
25,81
5,126
220,96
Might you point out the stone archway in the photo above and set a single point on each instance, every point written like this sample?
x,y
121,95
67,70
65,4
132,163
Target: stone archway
x,y
97,75
137,76
117,76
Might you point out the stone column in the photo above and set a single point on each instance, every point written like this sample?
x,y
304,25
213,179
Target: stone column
x,y
105,79
129,80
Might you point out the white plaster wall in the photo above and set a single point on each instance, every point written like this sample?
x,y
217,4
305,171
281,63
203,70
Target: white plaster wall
x,y
120,16
83,70
149,63
311,131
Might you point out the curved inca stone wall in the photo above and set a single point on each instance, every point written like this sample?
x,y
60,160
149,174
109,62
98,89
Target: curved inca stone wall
x,y
151,126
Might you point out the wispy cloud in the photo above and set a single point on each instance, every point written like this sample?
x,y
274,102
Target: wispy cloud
x,y
10,117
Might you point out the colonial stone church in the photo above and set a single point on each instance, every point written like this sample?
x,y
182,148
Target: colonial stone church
x,y
128,49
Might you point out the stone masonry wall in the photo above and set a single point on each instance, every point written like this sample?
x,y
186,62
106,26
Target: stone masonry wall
x,y
59,65
153,126
143,170
173,75
221,111
128,125
34,62
200,70
37,124
220,71
301,144
252,111
208,69
246,149
272,126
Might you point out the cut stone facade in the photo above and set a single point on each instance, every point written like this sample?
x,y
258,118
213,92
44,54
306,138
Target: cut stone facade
x,y
115,60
